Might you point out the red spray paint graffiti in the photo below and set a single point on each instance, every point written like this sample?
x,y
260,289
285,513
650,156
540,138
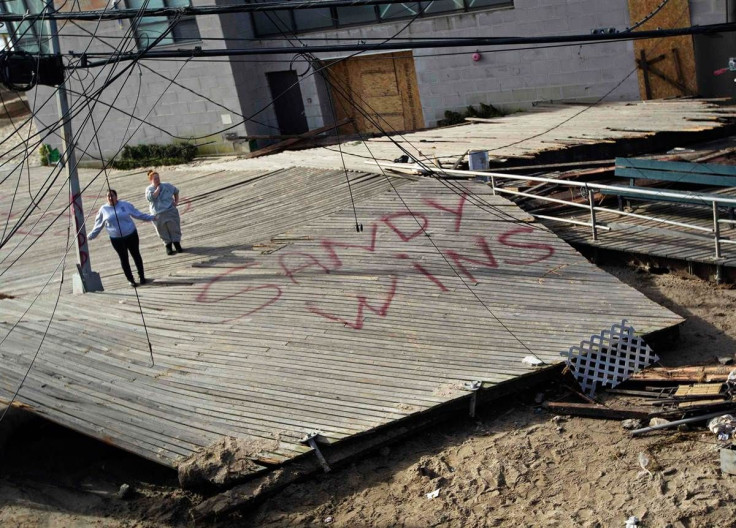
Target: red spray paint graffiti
x,y
399,227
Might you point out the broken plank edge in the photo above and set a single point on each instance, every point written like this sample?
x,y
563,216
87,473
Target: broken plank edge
x,y
340,454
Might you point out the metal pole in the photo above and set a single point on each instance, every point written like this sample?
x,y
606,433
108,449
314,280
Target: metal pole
x,y
493,185
669,425
85,280
716,230
591,201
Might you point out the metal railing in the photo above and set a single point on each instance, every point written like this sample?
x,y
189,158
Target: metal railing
x,y
694,198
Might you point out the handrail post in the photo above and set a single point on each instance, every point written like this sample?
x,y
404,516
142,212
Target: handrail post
x,y
716,230
591,202
493,185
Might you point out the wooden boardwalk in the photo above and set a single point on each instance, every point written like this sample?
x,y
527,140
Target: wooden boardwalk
x,y
281,319
652,237
548,130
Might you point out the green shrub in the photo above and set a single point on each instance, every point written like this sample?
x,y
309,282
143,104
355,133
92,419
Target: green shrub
x,y
484,111
48,154
43,151
134,156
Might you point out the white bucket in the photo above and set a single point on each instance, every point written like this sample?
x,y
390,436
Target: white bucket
x,y
478,160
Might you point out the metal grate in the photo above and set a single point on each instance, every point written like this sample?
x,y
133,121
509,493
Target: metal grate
x,y
609,358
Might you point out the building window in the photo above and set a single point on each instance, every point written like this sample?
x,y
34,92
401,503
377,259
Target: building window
x,y
148,29
299,20
25,35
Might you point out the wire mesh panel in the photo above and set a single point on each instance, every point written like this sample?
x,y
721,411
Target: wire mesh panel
x,y
609,358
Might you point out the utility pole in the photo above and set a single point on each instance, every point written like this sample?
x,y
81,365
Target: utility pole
x,y
85,280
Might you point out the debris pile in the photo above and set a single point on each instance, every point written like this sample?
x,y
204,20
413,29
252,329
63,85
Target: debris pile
x,y
616,381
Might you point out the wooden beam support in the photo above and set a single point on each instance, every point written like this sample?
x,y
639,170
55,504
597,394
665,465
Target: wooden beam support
x,y
647,68
644,65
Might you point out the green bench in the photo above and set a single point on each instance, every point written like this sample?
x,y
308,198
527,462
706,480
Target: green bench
x,y
676,171
672,171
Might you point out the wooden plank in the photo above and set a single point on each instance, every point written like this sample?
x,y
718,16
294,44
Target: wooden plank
x,y
695,374
281,145
596,411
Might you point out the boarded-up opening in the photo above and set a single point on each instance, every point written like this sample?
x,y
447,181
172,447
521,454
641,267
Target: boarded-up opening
x,y
666,66
382,86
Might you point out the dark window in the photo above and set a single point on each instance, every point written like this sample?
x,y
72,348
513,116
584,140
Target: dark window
x,y
297,20
149,29
356,15
26,35
307,19
273,22
482,3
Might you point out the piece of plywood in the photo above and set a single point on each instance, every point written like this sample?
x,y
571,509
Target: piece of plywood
x,y
672,60
379,92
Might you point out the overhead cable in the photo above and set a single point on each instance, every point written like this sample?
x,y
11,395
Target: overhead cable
x,y
122,14
424,44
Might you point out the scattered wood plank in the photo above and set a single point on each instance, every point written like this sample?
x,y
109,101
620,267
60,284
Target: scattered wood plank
x,y
596,411
483,119
694,407
698,397
698,390
695,374
639,394
460,160
282,145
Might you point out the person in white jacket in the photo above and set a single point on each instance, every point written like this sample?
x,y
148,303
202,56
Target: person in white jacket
x,y
117,217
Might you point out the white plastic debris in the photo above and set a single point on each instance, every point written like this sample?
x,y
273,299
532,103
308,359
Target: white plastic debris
x,y
434,494
715,423
632,423
731,380
533,361
723,427
644,462
328,520
632,521
654,422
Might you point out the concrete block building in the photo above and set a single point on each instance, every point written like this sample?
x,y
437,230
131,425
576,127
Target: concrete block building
x,y
204,99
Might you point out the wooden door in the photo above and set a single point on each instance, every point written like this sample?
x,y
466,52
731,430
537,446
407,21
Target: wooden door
x,y
379,92
666,66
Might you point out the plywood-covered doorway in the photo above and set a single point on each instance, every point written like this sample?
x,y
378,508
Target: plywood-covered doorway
x,y
383,86
666,66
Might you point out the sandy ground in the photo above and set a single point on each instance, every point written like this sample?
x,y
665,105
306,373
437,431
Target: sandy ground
x,y
14,134
514,465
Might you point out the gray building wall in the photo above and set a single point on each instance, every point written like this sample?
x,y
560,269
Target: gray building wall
x,y
510,79
711,11
448,79
176,111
